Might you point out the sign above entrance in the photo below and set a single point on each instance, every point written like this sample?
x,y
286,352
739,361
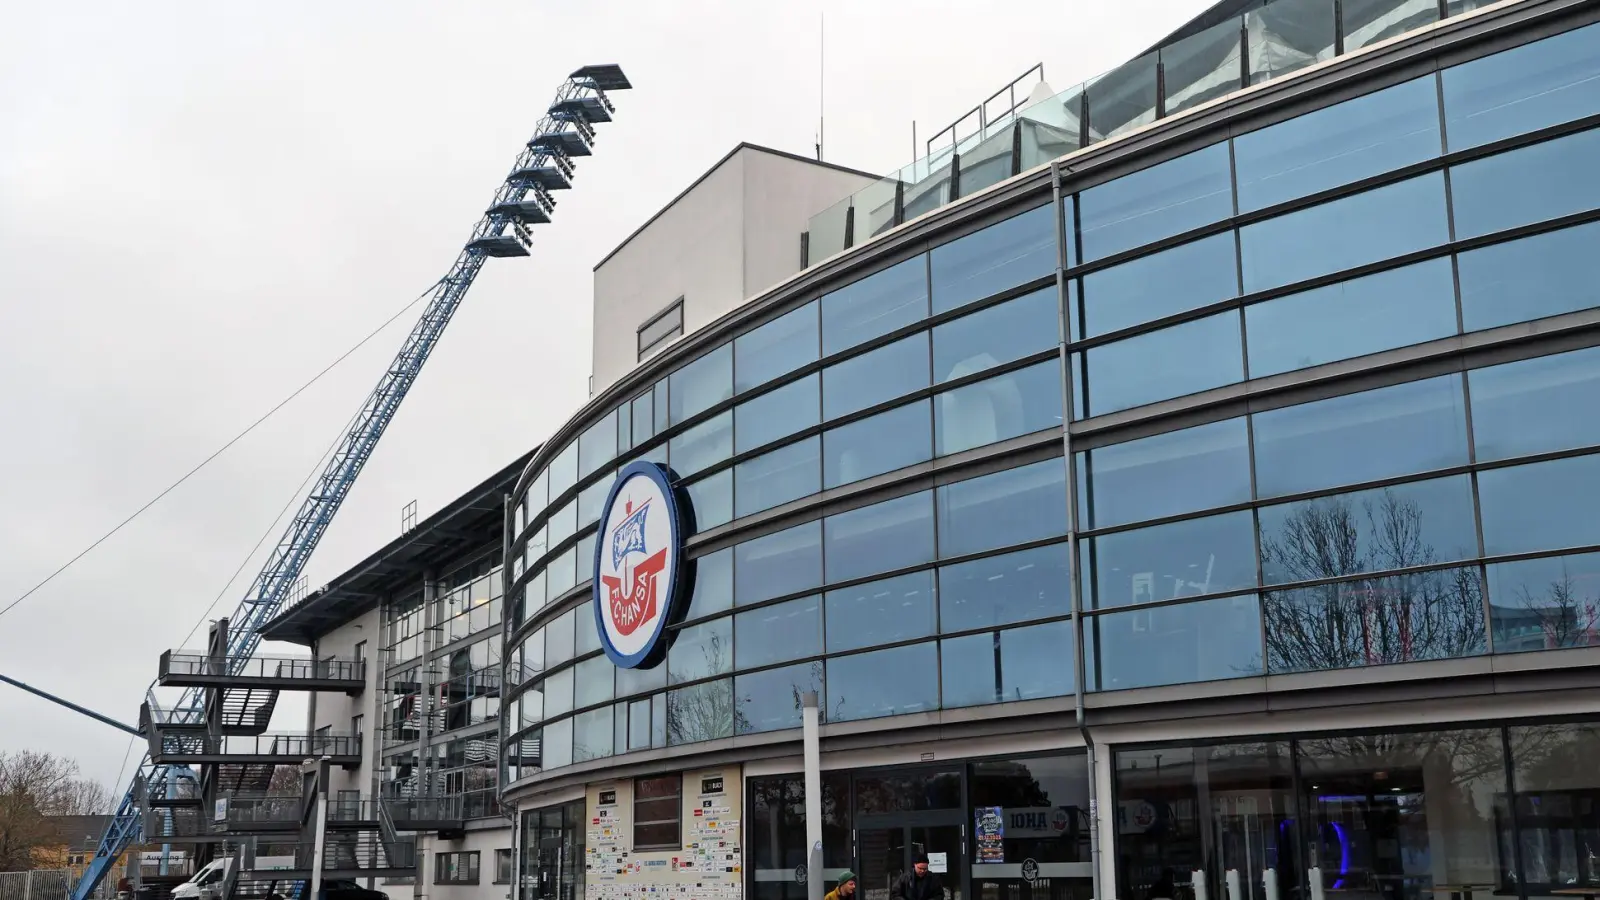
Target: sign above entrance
x,y
639,566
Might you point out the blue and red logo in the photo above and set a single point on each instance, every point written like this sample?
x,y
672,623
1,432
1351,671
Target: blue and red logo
x,y
638,565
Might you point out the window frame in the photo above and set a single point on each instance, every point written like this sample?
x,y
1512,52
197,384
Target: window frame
x,y
468,858
505,862
676,821
646,349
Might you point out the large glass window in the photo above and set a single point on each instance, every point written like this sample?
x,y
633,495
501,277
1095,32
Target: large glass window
x,y
1207,640
1398,430
882,612
598,445
1195,356
1016,328
1187,276
1526,407
558,693
777,477
1530,278
1373,621
1166,199
883,683
876,376
701,384
885,536
592,501
875,305
593,682
1527,185
1353,318
882,443
1521,90
713,584
996,409
561,638
777,414
1416,524
700,651
1181,471
1005,666
1010,507
592,735
1366,22
1337,145
785,562
770,700
1341,234
1001,590
776,348
702,446
563,470
987,262
711,499
1556,814
701,712
1191,557
778,633
1545,604
1543,506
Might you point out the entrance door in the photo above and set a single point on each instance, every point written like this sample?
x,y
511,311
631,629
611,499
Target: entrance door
x,y
888,846
552,869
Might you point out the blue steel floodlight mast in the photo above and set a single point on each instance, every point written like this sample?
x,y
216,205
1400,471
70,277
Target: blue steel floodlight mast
x,y
544,165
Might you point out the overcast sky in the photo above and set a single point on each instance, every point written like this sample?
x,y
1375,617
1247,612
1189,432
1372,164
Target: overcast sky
x,y
201,205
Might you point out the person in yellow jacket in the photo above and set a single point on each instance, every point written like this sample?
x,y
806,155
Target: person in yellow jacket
x,y
846,888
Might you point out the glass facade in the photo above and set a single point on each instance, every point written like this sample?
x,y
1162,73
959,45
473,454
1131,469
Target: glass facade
x,y
1320,508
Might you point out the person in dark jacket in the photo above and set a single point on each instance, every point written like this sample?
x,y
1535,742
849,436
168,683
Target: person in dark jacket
x,y
918,884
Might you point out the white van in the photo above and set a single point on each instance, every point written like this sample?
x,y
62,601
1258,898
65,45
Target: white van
x,y
207,883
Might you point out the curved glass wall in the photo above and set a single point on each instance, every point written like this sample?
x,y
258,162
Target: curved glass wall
x,y
1417,515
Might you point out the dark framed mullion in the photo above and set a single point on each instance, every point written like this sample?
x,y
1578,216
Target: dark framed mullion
x,y
1512,810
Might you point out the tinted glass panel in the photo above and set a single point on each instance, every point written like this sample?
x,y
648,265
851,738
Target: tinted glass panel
x,y
1346,142
774,634
1188,558
776,348
770,701
593,681
1545,604
1203,641
713,584
703,712
777,414
987,262
888,535
711,500
1530,278
1352,318
1416,524
643,418
1397,430
871,378
1524,186
1005,666
882,612
1367,22
592,735
1161,201
1378,224
1016,328
558,693
1185,277
875,305
701,650
1000,590
1525,407
785,562
704,445
701,384
660,406
1165,475
883,683
591,500
598,445
1194,357
995,409
1372,621
1543,506
1521,90
872,446
637,681
555,747
563,572
1010,507
563,470
777,477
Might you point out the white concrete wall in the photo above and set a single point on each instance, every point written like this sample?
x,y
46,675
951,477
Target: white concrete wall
x,y
335,710
485,842
730,238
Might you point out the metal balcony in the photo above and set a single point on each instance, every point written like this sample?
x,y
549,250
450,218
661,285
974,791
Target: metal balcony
x,y
345,856
185,748
196,669
445,815
260,814
242,711
180,826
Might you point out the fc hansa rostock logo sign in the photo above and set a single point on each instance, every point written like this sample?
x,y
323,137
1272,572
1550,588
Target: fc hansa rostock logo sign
x,y
638,566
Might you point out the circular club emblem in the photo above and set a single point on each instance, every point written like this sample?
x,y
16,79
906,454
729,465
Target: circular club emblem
x,y
801,876
638,559
1059,820
1030,871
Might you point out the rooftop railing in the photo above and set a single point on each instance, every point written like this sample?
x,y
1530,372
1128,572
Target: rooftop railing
x,y
1268,42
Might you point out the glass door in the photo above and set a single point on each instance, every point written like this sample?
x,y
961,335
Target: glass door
x,y
887,850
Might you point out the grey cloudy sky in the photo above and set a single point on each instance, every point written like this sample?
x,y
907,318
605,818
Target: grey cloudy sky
x,y
203,204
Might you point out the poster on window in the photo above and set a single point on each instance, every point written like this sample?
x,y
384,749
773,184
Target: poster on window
x,y
991,832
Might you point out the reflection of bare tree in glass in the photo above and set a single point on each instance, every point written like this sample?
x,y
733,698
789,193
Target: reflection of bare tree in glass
x,y
1562,615
1394,618
704,711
